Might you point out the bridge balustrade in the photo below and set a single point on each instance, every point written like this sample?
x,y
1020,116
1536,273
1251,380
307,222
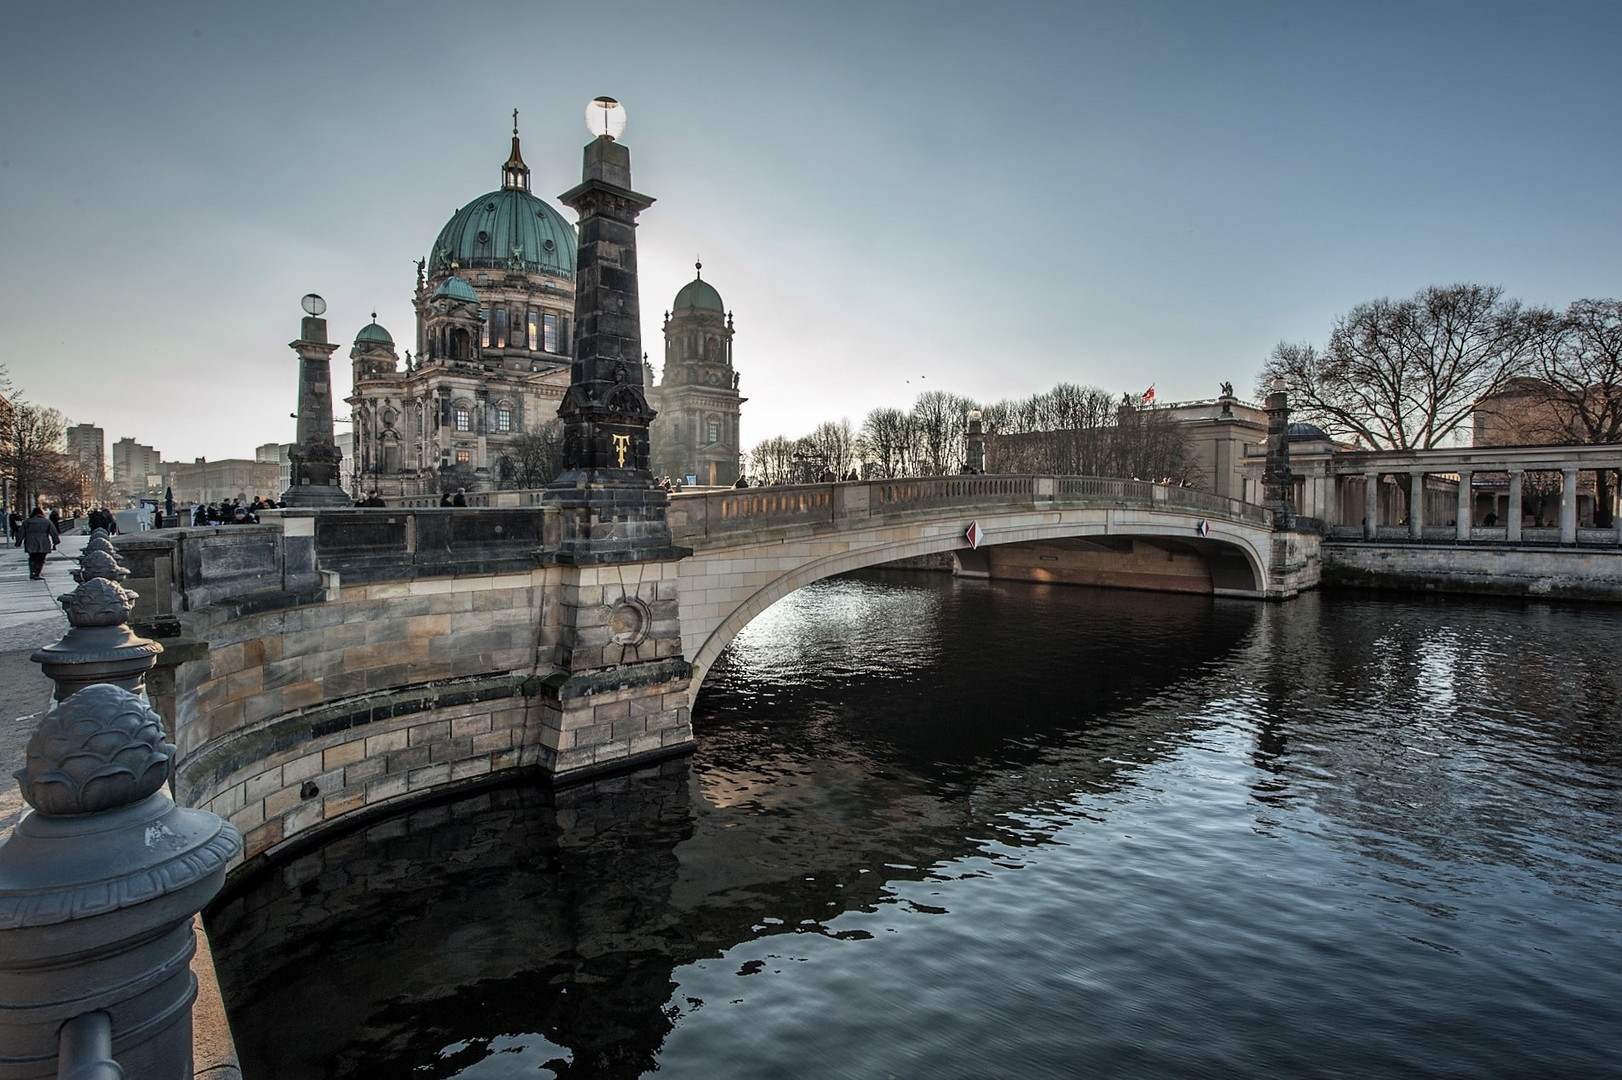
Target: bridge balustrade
x,y
721,513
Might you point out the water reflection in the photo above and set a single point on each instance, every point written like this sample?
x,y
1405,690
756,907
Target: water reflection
x,y
948,828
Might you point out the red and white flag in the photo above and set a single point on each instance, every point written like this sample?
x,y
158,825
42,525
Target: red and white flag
x,y
1149,394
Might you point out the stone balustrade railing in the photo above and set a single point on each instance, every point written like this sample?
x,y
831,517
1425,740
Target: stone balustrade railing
x,y
715,514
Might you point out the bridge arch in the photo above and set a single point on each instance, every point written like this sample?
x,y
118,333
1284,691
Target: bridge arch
x,y
725,586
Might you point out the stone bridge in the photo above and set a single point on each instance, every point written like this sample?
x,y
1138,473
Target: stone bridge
x,y
331,662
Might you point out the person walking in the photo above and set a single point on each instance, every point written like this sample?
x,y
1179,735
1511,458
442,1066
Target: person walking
x,y
39,540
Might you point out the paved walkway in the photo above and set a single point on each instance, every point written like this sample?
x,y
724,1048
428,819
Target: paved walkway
x,y
29,618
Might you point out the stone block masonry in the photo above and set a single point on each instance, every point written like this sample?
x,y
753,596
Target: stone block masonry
x,y
300,715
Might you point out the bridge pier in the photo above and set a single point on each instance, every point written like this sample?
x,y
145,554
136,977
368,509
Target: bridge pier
x,y
619,694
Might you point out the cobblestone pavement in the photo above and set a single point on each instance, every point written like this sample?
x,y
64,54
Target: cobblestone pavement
x,y
29,618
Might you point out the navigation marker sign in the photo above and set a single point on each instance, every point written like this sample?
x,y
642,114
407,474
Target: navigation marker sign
x,y
1203,528
974,534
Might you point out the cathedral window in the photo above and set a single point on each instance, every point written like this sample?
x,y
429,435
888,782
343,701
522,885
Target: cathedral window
x,y
463,417
504,419
712,430
549,323
462,457
498,335
484,333
534,329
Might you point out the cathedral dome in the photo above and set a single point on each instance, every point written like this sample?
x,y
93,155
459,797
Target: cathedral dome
x,y
454,288
373,334
698,293
507,229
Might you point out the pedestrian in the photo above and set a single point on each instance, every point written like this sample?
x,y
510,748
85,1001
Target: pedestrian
x,y
40,538
741,482
444,498
461,497
16,528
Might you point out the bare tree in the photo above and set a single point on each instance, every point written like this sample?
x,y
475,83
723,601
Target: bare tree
x,y
534,458
939,421
1147,444
1405,374
833,445
772,461
1578,370
886,441
33,455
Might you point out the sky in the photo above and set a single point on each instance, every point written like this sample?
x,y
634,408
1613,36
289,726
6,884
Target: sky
x,y
891,197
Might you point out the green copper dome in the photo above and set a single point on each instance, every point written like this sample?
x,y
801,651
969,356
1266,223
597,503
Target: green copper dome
x,y
454,288
507,229
373,334
698,293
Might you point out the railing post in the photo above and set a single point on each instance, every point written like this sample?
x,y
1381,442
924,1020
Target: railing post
x,y
98,887
99,884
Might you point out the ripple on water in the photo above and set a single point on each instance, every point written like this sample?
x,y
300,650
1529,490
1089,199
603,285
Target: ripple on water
x,y
941,828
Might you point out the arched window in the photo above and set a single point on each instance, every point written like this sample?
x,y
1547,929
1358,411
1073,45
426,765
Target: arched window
x,y
461,345
462,416
504,417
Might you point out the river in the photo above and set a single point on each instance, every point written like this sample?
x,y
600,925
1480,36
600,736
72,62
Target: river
x,y
945,828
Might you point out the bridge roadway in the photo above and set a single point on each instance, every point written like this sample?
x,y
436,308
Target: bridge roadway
x,y
331,662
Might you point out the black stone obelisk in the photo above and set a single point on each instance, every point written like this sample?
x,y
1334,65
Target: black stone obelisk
x,y
611,509
315,456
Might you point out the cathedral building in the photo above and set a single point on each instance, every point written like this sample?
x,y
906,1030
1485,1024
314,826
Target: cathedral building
x,y
695,438
494,303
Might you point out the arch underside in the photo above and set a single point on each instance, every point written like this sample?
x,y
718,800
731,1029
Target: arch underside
x,y
1236,561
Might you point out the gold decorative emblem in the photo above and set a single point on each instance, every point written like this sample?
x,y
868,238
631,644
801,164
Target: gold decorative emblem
x,y
621,444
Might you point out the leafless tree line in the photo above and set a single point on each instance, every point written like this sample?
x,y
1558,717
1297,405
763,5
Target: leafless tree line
x,y
1067,430
1408,374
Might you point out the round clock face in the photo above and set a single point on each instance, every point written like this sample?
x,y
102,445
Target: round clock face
x,y
313,304
715,378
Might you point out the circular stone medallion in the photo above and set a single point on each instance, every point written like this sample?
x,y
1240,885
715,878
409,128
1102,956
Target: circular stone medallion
x,y
628,621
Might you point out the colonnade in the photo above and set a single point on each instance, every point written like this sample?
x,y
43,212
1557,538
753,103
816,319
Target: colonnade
x,y
1442,495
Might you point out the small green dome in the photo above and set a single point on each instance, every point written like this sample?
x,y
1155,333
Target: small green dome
x,y
698,293
373,334
454,288
506,229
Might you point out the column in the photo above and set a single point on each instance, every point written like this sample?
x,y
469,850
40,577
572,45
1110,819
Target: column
x,y
1616,507
1467,507
1568,506
1416,506
1371,505
1512,516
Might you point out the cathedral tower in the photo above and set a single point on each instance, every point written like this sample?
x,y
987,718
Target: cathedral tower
x,y
696,435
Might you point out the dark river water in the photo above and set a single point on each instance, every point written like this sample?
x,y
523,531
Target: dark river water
x,y
940,828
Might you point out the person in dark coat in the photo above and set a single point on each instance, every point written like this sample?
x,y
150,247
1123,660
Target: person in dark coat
x,y
39,540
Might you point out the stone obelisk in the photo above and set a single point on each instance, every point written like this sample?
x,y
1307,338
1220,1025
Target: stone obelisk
x,y
617,695
315,456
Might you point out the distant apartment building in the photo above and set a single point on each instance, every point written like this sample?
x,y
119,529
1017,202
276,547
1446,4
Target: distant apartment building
x,y
228,478
87,444
137,468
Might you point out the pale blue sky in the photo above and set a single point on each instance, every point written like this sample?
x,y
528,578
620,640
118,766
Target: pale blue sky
x,y
891,197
